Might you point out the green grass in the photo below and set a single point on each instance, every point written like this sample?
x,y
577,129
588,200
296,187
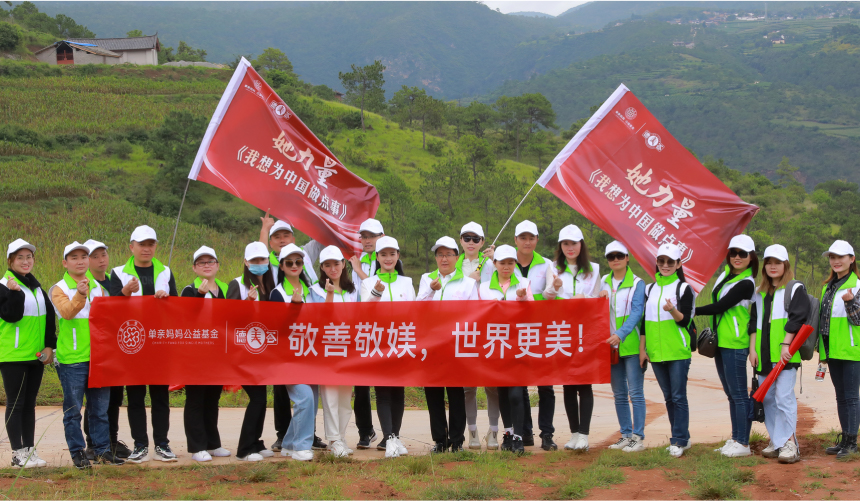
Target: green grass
x,y
592,477
466,490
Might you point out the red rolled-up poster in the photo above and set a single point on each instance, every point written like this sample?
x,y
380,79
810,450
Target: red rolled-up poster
x,y
795,345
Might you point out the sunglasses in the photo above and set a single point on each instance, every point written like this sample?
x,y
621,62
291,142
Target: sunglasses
x,y
470,238
665,262
290,263
615,256
738,253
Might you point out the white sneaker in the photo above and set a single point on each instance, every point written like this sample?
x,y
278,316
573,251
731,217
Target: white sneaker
x,y
474,441
201,456
220,452
736,450
21,459
676,451
251,457
789,453
571,444
725,446
620,444
34,457
266,453
492,440
303,455
338,449
582,443
634,444
286,453
771,451
391,447
401,449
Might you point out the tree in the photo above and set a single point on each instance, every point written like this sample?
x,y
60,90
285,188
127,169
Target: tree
x,y
524,113
430,112
364,86
176,142
454,114
424,223
540,145
397,197
478,117
478,153
187,53
786,173
9,37
446,184
402,104
273,59
134,34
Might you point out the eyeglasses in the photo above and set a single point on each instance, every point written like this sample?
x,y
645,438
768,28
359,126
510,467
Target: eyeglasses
x,y
665,262
738,253
290,263
207,263
369,236
615,256
445,256
472,238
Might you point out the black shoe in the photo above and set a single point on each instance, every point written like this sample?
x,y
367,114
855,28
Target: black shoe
x,y
529,440
381,445
518,446
849,448
120,450
90,454
364,441
547,444
439,448
836,447
319,444
457,447
507,441
276,446
80,460
109,457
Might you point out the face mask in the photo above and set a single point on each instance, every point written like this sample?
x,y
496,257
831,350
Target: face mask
x,y
258,269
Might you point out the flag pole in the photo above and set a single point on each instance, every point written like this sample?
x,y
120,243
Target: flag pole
x,y
173,242
512,213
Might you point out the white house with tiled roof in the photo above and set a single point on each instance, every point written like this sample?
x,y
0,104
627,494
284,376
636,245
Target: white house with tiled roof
x,y
137,50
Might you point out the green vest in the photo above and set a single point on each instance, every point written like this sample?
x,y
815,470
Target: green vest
x,y
481,261
20,341
731,326
539,264
778,319
665,340
623,296
494,285
91,278
73,336
458,275
841,343
288,290
221,285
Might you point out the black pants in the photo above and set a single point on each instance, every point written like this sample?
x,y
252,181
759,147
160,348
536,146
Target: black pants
x,y
282,409
250,436
390,403
21,380
845,375
511,405
114,404
449,432
201,417
363,411
579,415
159,395
546,410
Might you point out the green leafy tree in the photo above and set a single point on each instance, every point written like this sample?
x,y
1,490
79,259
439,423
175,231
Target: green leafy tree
x,y
364,87
425,221
187,53
402,104
786,173
541,146
430,112
273,59
397,197
9,37
478,118
479,154
134,34
176,142
523,115
446,184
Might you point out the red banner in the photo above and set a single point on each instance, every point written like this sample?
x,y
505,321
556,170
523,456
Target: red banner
x,y
144,340
257,149
629,176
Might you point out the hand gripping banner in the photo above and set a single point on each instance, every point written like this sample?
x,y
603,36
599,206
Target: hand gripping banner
x,y
144,340
629,176
257,149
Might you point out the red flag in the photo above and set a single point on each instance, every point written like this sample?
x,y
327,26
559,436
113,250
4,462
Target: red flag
x,y
257,149
796,343
629,176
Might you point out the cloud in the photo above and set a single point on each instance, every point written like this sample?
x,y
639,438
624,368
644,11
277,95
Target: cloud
x,y
552,8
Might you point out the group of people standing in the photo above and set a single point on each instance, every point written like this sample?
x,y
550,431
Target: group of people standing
x,y
649,324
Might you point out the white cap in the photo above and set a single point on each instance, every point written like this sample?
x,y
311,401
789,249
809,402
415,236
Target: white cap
x,y
840,248
669,250
504,252
570,232
386,242
616,246
526,227
777,251
742,242
75,246
143,233
371,225
204,251
92,245
291,249
278,226
18,245
331,253
472,227
446,242
256,249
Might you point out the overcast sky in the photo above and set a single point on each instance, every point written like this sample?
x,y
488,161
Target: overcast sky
x,y
554,8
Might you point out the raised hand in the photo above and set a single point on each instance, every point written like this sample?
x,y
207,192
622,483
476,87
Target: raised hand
x,y
521,293
267,221
379,287
252,293
84,287
557,283
436,284
668,306
12,285
603,294
204,287
297,295
131,287
329,287
489,252
848,296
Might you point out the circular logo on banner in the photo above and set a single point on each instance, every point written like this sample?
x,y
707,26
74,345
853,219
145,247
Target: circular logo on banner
x,y
630,113
131,337
255,337
653,140
280,110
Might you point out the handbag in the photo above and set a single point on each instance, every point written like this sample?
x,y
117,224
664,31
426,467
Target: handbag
x,y
756,408
707,343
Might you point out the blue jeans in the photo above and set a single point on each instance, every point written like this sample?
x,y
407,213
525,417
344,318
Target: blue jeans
x,y
74,379
672,377
732,369
845,375
300,434
628,378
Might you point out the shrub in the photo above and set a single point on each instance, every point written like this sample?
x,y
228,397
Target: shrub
x,y
436,148
351,120
9,37
121,149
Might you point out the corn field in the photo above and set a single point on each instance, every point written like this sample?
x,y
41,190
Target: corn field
x,y
36,179
116,85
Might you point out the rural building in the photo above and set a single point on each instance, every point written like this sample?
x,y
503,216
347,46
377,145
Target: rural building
x,y
138,50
